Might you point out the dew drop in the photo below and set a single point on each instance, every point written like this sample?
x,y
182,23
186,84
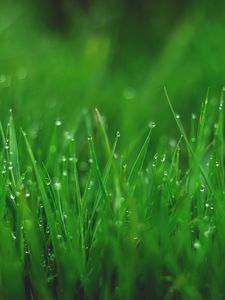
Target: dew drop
x,y
163,159
13,236
47,181
115,156
27,195
151,125
59,236
197,245
193,116
12,197
156,156
202,188
58,123
63,158
57,186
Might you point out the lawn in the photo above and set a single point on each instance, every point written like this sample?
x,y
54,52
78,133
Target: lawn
x,y
112,152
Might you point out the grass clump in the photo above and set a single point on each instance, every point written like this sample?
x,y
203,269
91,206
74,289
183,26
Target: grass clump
x,y
91,221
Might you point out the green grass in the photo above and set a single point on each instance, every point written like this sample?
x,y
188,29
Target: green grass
x,y
92,220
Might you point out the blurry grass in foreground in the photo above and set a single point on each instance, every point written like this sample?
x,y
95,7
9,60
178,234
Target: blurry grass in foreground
x,y
94,223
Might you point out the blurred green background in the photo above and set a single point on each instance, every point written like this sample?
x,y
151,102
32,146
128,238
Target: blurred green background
x,y
58,57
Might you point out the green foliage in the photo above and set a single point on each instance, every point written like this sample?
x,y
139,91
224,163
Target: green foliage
x,y
109,227
90,212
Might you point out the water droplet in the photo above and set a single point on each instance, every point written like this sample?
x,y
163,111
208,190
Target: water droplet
x,y
59,236
12,197
13,236
151,125
63,158
193,116
58,123
115,156
90,160
65,173
117,134
202,188
207,205
217,164
177,116
57,186
197,245
27,195
172,143
47,181
89,138
163,159
68,135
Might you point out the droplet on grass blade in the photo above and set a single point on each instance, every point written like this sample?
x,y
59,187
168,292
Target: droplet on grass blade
x,y
163,159
59,236
13,236
151,125
12,197
118,134
202,188
197,245
47,181
193,116
27,195
58,123
57,186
